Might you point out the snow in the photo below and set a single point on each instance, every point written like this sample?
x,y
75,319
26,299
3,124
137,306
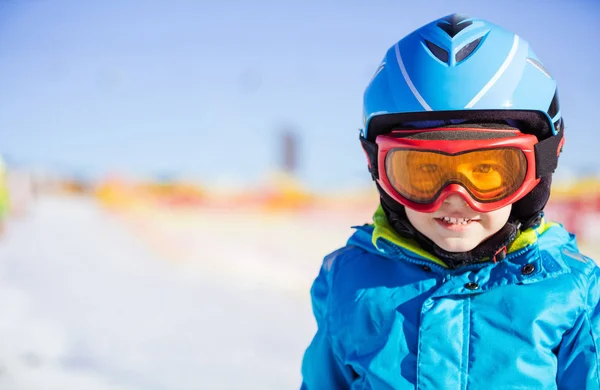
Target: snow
x,y
91,300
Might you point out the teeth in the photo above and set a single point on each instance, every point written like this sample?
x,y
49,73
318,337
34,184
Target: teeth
x,y
456,221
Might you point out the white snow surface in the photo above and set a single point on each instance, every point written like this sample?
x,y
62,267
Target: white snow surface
x,y
87,303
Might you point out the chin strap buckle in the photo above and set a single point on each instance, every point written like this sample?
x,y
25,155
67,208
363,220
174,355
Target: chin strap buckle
x,y
500,255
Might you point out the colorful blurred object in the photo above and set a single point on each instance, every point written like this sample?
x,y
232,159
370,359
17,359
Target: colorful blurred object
x,y
282,191
577,206
4,195
117,192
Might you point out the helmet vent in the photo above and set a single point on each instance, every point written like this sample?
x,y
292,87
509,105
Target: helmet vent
x,y
467,50
454,24
554,107
437,51
559,125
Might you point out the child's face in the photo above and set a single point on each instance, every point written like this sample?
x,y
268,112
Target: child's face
x,y
458,235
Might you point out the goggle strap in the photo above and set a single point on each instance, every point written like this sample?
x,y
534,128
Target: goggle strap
x,y
371,149
546,155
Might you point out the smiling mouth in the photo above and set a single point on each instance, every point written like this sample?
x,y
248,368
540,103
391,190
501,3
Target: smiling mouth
x,y
458,221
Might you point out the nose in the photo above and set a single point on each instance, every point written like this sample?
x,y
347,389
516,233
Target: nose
x,y
455,201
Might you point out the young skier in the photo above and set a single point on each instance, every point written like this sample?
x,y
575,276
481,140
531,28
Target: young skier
x,y
460,282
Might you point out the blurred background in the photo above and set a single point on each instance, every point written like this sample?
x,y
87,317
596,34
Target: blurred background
x,y
174,172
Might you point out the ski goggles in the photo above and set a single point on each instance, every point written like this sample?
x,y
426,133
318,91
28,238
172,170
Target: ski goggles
x,y
488,168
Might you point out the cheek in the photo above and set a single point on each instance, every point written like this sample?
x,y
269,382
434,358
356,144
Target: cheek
x,y
418,219
496,219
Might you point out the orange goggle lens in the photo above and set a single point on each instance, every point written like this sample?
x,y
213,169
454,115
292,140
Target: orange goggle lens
x,y
488,175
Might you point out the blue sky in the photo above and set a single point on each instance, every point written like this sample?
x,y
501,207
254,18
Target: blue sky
x,y
152,87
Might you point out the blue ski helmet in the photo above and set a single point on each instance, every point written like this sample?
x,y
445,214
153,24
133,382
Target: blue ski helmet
x,y
460,69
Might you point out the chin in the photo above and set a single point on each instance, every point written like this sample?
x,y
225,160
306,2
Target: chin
x,y
456,245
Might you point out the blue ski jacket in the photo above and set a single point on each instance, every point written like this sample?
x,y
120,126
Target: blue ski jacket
x,y
392,316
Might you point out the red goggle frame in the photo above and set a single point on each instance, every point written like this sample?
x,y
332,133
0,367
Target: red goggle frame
x,y
541,159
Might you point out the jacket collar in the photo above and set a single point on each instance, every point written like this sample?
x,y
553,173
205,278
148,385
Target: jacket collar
x,y
382,235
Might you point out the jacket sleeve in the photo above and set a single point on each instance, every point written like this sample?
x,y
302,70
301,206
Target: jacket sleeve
x,y
579,354
321,366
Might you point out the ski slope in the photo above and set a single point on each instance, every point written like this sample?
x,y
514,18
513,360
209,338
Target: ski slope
x,y
94,300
